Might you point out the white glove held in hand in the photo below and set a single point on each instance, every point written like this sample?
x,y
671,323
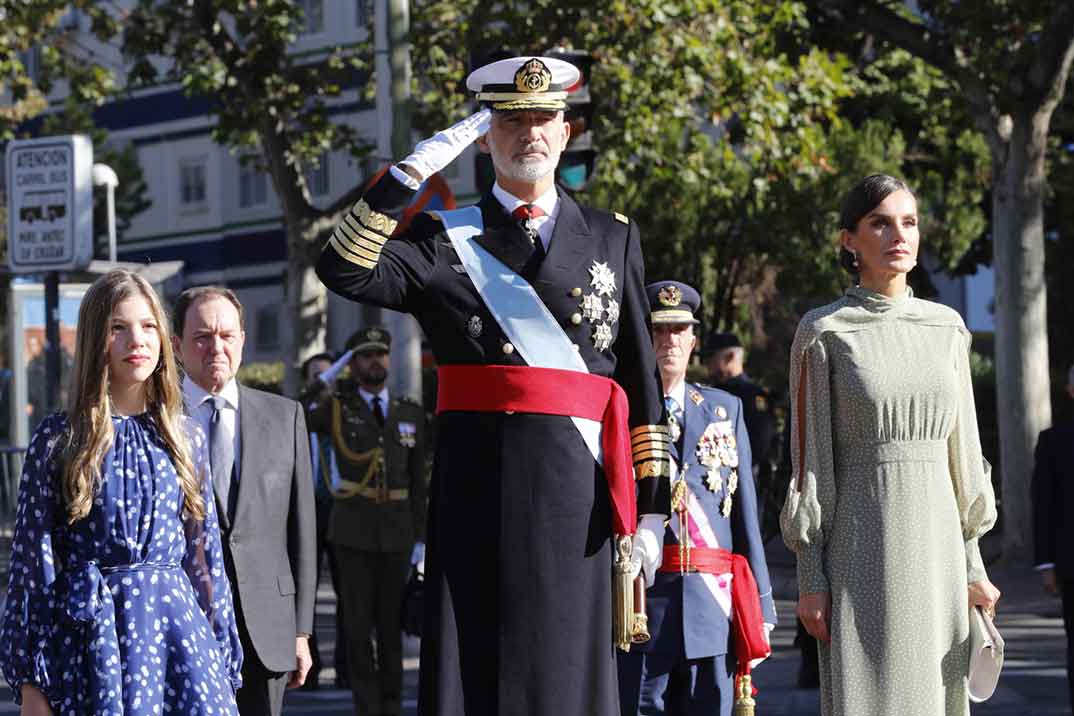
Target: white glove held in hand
x,y
329,374
433,154
648,551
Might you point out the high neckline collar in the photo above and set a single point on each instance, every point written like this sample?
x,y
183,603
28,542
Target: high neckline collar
x,y
878,302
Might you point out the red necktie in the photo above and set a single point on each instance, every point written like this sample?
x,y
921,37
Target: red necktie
x,y
524,215
525,212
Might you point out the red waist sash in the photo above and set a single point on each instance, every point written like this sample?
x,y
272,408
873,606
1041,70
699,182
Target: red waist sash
x,y
747,622
551,391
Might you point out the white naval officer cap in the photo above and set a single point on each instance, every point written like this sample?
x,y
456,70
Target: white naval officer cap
x,y
520,83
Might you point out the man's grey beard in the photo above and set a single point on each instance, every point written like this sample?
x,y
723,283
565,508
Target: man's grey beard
x,y
523,170
527,171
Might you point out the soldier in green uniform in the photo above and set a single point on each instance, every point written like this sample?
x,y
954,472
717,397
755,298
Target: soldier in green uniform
x,y
378,522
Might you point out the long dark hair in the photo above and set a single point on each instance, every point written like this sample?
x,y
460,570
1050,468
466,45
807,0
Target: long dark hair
x,y
862,198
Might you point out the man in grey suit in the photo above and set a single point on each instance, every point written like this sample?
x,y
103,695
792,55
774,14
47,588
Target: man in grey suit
x,y
261,476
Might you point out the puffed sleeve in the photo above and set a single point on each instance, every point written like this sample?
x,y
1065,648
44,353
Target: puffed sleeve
x,y
204,562
971,474
806,519
25,637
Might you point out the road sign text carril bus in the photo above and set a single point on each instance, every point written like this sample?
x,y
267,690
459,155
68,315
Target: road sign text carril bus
x,y
50,203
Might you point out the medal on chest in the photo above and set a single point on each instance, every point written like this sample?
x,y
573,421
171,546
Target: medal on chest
x,y
716,450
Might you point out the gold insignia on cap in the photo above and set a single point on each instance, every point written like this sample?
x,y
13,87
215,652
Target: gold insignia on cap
x,y
374,335
533,77
670,296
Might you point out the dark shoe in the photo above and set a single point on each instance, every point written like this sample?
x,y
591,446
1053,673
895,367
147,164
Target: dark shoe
x,y
808,675
312,681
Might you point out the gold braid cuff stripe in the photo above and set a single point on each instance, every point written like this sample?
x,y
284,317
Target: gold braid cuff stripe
x,y
652,468
651,453
357,230
381,223
357,243
349,256
653,432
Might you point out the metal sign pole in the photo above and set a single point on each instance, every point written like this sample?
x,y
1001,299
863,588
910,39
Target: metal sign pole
x,y
52,340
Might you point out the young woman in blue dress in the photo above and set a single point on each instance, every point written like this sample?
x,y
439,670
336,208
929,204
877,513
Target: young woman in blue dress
x,y
118,601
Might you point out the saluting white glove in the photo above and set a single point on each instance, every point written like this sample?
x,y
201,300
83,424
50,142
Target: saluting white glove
x,y
417,556
648,550
329,374
433,154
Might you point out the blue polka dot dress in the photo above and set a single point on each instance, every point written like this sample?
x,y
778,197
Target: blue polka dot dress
x,y
128,611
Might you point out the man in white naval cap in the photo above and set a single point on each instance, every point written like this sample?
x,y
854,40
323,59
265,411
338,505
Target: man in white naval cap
x,y
552,451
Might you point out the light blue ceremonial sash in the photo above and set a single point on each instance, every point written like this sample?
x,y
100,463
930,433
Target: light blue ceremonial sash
x,y
517,308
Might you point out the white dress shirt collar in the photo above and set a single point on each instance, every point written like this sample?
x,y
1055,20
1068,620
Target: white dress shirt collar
x,y
678,392
549,201
196,395
368,398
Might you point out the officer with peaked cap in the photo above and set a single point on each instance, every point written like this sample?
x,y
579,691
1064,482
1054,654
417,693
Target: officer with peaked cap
x,y
710,606
551,441
376,472
726,367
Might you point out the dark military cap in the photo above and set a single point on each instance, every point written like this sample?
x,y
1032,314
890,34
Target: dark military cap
x,y
672,302
724,340
372,338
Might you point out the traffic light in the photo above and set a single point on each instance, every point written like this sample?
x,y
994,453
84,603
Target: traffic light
x,y
578,161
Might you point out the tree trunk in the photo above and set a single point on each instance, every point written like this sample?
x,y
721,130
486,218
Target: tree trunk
x,y
306,302
1022,379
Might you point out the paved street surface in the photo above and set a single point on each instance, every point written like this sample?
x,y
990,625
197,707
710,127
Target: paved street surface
x,y
1033,682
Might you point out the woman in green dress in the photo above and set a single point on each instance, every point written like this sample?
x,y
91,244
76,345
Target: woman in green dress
x,y
890,491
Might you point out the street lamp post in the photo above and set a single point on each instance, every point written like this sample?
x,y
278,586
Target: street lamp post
x,y
104,175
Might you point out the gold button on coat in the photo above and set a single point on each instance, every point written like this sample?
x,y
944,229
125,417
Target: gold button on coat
x,y
576,318
576,292
508,348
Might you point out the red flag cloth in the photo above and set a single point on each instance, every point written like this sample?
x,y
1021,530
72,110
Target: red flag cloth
x,y
747,621
552,391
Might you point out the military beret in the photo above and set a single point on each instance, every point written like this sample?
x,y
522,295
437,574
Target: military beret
x,y
672,302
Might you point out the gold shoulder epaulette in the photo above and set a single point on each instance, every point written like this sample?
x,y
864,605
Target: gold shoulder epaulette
x,y
622,218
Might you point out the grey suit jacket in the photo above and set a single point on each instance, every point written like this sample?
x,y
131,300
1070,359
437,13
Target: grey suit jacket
x,y
269,542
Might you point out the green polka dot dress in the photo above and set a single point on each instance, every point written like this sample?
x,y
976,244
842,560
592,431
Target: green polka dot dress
x,y
888,497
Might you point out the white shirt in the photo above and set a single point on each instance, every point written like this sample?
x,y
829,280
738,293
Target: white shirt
x,y
679,395
368,398
549,203
200,407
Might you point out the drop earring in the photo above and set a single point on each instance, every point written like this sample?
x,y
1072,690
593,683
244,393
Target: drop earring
x,y
854,262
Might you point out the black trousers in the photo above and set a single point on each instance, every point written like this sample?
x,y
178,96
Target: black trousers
x,y
324,548
262,690
372,589
1067,591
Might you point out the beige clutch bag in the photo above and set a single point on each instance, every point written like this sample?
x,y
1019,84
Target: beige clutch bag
x,y
986,656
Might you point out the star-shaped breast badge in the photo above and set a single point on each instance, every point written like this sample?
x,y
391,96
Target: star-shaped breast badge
x,y
613,310
602,336
592,307
603,279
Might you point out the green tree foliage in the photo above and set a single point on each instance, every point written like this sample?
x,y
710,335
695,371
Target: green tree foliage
x,y
1010,62
44,31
